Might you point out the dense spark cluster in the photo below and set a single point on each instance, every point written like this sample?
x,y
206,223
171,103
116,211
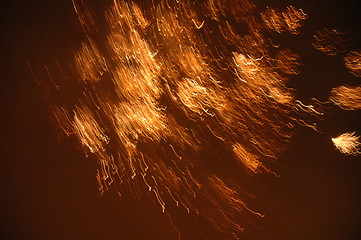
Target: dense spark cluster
x,y
347,97
347,143
174,85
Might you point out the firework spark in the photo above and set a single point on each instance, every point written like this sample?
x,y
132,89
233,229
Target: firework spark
x,y
347,143
330,42
353,62
289,20
348,98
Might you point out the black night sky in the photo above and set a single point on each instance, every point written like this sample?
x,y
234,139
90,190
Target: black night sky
x,y
48,187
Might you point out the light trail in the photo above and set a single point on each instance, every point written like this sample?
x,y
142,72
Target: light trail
x,y
353,62
330,42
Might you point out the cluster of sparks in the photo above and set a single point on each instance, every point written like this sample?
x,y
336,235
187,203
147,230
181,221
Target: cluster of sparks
x,y
347,143
165,82
347,97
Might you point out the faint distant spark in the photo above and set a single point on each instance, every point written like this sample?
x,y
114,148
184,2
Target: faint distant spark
x,y
347,143
163,85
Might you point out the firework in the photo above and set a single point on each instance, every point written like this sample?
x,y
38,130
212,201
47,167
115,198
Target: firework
x,y
166,84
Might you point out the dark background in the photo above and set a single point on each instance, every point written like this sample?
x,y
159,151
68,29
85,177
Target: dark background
x,y
48,188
